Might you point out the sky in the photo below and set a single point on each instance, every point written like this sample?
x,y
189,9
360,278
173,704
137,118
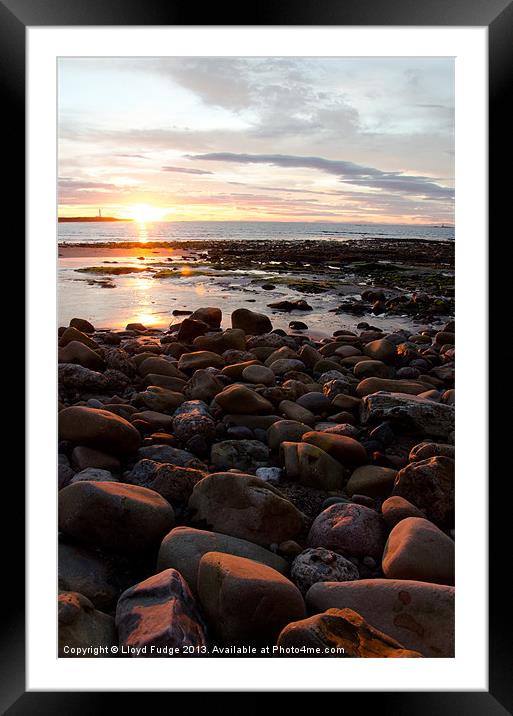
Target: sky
x,y
257,139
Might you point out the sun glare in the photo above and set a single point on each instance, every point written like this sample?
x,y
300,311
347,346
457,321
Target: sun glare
x,y
144,213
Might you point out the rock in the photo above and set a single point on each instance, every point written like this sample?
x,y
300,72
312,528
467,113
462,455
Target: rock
x,y
231,339
246,601
166,454
298,326
76,352
285,431
73,334
191,329
296,412
381,349
76,379
284,365
173,482
160,399
418,614
371,369
268,473
346,450
83,326
93,473
345,429
253,324
239,454
373,385
98,429
425,450
184,547
241,399
346,402
371,480
316,402
340,633
259,374
159,366
64,475
321,565
244,506
192,418
396,508
352,530
84,571
235,370
203,386
418,415
311,466
298,305
332,388
189,362
210,315
164,381
114,516
81,626
429,485
157,614
417,549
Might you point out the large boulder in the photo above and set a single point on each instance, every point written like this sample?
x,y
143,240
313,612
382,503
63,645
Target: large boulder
x,y
350,529
114,516
339,633
245,506
429,485
373,385
158,616
184,547
211,315
83,630
417,614
246,601
253,324
98,429
417,549
77,352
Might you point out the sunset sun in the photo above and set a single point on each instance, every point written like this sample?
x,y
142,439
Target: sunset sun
x,y
144,213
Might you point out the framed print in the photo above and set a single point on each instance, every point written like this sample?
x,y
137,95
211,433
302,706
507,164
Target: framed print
x,y
249,243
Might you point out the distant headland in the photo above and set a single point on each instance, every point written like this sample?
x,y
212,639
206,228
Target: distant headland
x,y
63,219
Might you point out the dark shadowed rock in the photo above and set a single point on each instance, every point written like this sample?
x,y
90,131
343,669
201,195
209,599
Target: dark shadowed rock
x,y
352,530
98,429
81,626
252,323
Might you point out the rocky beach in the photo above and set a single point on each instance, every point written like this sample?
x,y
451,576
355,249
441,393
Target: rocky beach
x,y
266,475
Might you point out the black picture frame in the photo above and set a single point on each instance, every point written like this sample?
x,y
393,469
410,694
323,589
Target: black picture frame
x,y
497,16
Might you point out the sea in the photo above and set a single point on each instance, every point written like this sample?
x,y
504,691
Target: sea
x,y
250,230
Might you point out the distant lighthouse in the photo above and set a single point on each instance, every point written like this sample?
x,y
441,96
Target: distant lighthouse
x,y
99,213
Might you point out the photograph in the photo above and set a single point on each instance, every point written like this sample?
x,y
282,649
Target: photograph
x,y
256,356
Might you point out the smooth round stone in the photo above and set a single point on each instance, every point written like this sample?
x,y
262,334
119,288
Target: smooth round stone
x,y
77,352
371,369
93,473
285,431
269,473
99,429
429,485
334,501
396,508
245,506
284,365
82,626
115,516
252,323
210,315
246,601
259,374
352,530
381,349
321,565
371,480
417,549
189,362
296,412
240,399
85,571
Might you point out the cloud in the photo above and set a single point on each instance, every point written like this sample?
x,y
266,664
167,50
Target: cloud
x,y
348,172
185,170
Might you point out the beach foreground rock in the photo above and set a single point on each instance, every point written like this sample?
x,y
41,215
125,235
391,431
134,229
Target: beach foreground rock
x,y
419,615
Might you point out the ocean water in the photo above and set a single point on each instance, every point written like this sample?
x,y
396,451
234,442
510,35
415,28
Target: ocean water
x,y
250,230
